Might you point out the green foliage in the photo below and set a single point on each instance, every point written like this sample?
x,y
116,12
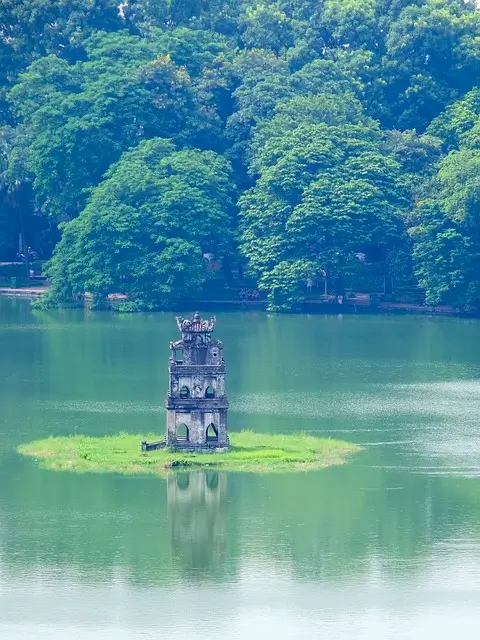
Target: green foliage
x,y
190,48
336,117
31,29
218,14
249,452
36,28
286,283
457,120
137,236
266,26
351,23
289,114
324,193
446,232
431,59
417,154
95,110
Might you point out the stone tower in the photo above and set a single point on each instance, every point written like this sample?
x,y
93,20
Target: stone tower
x,y
196,401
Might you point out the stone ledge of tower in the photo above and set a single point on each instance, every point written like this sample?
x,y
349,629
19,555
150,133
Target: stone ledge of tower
x,y
194,369
201,404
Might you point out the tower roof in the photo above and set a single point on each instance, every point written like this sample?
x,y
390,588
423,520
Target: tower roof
x,y
196,324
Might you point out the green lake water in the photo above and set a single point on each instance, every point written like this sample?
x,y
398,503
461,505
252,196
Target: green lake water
x,y
385,547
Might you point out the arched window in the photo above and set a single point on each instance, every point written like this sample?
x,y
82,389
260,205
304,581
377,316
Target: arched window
x,y
184,392
182,433
212,433
209,392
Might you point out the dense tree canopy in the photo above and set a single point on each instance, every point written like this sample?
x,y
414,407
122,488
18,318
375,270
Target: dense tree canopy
x,y
290,135
147,226
447,237
325,193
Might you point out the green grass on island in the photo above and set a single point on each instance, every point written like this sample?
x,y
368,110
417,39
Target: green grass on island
x,y
249,451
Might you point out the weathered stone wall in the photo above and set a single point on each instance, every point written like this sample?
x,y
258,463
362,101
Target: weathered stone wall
x,y
197,384
197,423
201,368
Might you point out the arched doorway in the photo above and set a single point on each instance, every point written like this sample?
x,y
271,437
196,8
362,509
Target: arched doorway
x,y
182,433
209,392
212,433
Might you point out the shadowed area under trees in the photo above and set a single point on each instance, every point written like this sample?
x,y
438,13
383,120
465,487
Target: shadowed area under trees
x,y
285,142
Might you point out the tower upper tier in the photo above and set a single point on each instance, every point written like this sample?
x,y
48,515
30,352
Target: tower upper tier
x,y
195,326
196,346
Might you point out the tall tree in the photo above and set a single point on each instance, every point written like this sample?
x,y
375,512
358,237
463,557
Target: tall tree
x,y
31,29
80,118
432,58
324,193
266,26
36,28
146,228
457,120
446,232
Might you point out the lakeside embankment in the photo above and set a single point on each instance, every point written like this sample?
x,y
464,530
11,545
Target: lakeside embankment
x,y
358,304
258,452
26,292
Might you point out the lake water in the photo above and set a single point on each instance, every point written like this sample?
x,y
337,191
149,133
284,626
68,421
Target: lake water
x,y
385,547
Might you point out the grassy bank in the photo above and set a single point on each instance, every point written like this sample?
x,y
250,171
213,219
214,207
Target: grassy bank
x,y
249,452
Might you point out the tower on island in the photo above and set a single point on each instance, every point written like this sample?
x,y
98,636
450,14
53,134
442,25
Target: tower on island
x,y
196,401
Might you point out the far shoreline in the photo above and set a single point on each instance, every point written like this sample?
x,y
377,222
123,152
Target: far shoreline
x,y
349,306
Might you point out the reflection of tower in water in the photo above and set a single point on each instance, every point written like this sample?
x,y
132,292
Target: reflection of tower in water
x,y
197,508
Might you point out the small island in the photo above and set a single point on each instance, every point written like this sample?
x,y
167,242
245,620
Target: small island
x,y
249,451
196,427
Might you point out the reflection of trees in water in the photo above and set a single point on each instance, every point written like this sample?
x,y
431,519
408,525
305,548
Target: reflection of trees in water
x,y
145,529
197,509
333,523
88,525
324,525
